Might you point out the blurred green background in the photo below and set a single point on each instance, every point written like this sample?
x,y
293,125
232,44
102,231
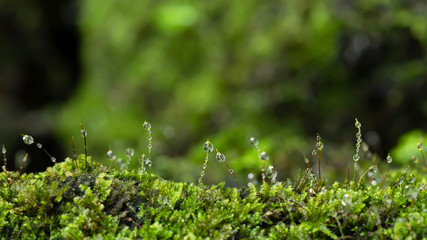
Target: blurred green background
x,y
281,71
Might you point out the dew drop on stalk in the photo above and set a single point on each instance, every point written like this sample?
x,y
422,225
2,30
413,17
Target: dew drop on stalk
x,y
305,159
389,158
357,124
314,152
231,171
147,126
39,145
208,147
83,133
253,141
28,139
356,157
250,176
411,178
129,152
420,146
358,145
358,135
220,157
111,155
3,149
53,159
264,156
319,146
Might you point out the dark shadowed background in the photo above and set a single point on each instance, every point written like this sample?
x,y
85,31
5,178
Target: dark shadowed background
x,y
281,71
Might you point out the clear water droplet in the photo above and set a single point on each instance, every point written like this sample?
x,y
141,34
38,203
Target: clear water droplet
x,y
83,133
111,155
264,156
314,152
372,171
358,145
39,145
374,183
358,135
231,171
220,157
150,137
270,168
389,158
411,178
28,139
359,141
146,160
319,146
305,159
129,152
251,176
53,159
208,147
3,149
147,126
318,137
420,146
357,124
253,141
356,157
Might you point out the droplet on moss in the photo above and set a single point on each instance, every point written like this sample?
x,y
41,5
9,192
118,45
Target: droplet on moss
x,y
208,147
264,156
28,139
389,158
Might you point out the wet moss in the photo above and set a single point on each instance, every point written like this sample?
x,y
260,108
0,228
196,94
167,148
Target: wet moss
x,y
73,200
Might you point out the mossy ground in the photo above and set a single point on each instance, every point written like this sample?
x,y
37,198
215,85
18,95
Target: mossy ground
x,y
73,200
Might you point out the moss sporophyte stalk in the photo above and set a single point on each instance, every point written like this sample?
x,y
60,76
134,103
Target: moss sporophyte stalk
x,y
80,198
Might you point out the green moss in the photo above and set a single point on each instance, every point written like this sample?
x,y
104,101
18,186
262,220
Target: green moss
x,y
74,202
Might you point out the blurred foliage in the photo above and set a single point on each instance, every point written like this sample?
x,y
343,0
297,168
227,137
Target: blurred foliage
x,y
228,70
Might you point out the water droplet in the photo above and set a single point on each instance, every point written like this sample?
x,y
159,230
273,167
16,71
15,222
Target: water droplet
x,y
53,159
208,147
111,155
357,124
374,183
359,141
231,171
411,178
420,146
220,157
389,159
253,141
146,160
356,157
305,159
129,152
270,168
372,171
147,126
28,139
358,135
150,137
251,176
39,145
264,156
358,145
83,133
318,137
319,146
3,149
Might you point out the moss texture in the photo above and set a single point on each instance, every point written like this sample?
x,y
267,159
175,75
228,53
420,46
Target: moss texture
x,y
73,200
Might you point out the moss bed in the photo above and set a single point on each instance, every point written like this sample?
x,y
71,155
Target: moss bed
x,y
76,199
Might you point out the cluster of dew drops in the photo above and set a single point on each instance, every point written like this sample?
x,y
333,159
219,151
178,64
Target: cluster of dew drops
x,y
29,140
